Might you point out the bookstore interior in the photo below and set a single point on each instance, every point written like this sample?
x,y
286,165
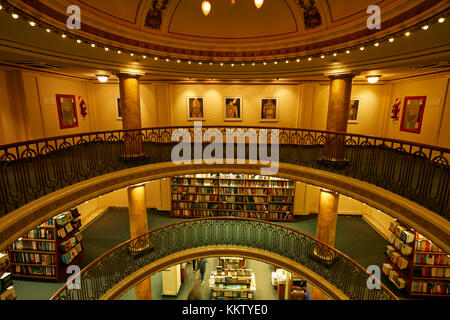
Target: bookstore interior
x,y
350,99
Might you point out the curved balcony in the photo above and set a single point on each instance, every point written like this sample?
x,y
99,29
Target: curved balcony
x,y
118,270
32,169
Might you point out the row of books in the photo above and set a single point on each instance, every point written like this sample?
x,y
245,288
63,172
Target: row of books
x,y
231,191
194,197
270,215
195,205
432,272
253,183
435,259
280,208
400,245
194,213
35,270
281,199
34,258
402,232
41,233
68,257
427,246
393,276
231,183
33,245
194,182
256,199
232,198
281,184
252,191
396,258
430,287
7,291
280,192
48,223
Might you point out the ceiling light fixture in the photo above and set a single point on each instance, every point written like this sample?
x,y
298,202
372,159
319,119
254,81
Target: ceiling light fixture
x,y
64,36
362,48
441,20
259,3
15,16
377,44
322,56
335,54
48,30
298,60
32,23
407,33
425,27
391,40
144,57
347,52
373,79
102,78
106,49
206,7
93,45
119,52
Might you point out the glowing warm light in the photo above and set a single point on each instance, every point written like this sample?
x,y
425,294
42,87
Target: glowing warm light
x,y
178,61
362,48
298,60
441,20
48,30
102,79
408,34
64,36
377,44
425,27
32,23
93,45
132,54
391,40
15,15
334,54
106,49
322,56
156,58
276,62
206,7
287,61
200,63
119,52
265,63
232,64
189,62
221,64
253,64
373,79
309,59
347,52
259,3
1,7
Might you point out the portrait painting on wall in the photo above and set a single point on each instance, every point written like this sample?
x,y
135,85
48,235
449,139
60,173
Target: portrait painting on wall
x,y
196,108
67,111
233,109
412,117
353,111
269,109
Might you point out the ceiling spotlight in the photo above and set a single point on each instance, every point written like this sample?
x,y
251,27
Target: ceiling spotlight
x,y
259,3
64,36
144,57
79,41
322,56
106,49
93,45
298,60
253,64
48,30
377,44
1,7
309,59
132,54
243,64
15,16
347,52
335,54
32,23
362,48
276,62
102,78
167,59
119,52
391,40
189,62
200,63
156,58
407,33
221,64
210,63
232,64
287,61
373,79
425,27
206,7
178,61
265,63
441,20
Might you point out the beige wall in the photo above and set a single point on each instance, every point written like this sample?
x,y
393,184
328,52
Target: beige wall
x,y
29,106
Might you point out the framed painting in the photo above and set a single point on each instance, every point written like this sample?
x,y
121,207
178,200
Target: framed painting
x,y
412,116
67,111
269,110
233,109
196,108
118,109
353,110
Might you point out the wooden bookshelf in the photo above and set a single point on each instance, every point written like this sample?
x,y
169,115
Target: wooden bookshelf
x,y
428,267
242,195
46,251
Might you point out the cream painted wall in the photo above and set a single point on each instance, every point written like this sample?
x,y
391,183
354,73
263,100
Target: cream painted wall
x,y
436,110
288,102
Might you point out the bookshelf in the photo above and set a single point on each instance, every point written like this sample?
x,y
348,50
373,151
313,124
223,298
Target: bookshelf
x,y
231,263
46,251
232,284
7,291
416,264
235,195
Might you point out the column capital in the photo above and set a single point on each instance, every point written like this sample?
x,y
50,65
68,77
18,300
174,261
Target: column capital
x,y
124,75
342,76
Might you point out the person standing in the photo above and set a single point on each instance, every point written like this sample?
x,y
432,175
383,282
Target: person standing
x,y
202,268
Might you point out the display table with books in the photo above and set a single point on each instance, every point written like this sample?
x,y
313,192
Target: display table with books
x,y
232,284
7,291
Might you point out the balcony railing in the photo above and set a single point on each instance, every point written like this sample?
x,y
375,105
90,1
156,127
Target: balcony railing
x,y
32,169
101,275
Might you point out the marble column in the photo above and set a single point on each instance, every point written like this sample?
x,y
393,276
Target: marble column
x,y
138,226
130,105
337,119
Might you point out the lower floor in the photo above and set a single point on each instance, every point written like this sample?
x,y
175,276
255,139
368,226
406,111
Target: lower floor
x,y
354,237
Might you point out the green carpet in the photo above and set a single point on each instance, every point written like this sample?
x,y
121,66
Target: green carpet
x,y
354,237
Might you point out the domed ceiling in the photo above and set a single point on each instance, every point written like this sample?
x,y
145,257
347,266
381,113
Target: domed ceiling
x,y
234,33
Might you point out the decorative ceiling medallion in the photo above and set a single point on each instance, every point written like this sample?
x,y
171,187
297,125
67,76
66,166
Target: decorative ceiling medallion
x,y
311,14
154,15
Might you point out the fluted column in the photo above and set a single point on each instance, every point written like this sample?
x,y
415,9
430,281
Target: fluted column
x,y
138,226
130,104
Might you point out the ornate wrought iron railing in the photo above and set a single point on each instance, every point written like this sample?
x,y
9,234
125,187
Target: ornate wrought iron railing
x,y
105,272
29,170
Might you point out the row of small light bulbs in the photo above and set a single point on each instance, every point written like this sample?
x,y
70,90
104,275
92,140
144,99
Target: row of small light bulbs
x,y
391,39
